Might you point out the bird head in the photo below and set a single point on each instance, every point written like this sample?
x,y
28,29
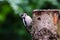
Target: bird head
x,y
23,15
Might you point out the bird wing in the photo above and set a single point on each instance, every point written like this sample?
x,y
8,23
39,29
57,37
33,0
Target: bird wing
x,y
24,22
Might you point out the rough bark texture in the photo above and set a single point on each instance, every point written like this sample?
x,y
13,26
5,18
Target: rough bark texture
x,y
44,25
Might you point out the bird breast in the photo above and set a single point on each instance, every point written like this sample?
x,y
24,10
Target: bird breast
x,y
28,20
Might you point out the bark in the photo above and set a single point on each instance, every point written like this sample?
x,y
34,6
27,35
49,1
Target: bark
x,y
44,25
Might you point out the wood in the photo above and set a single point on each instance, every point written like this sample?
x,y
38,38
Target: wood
x,y
44,25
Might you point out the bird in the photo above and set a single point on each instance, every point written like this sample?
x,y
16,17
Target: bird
x,y
27,21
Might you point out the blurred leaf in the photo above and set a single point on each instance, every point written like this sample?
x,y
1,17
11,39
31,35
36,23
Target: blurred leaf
x,y
53,2
58,1
22,32
5,9
2,18
49,5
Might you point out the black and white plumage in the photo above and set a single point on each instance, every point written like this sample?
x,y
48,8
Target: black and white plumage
x,y
27,20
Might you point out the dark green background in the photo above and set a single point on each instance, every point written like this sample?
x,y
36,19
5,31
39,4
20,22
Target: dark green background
x,y
11,25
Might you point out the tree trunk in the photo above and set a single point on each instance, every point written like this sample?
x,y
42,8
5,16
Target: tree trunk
x,y
44,25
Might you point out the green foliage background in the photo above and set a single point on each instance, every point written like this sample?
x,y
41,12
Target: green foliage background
x,y
11,25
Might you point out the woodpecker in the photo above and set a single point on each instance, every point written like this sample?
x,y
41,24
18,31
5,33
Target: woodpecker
x,y
27,21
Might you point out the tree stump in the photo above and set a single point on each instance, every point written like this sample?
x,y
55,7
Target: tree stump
x,y
44,24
